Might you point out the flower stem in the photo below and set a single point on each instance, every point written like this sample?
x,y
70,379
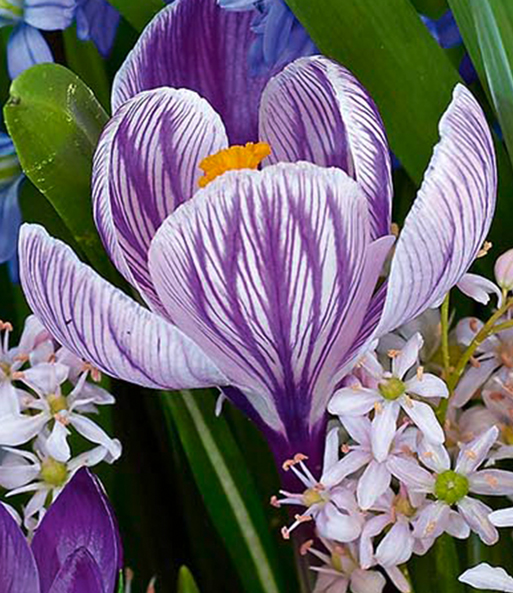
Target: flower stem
x,y
445,335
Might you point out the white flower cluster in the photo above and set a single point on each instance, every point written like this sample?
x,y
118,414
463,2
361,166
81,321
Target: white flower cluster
x,y
46,394
401,467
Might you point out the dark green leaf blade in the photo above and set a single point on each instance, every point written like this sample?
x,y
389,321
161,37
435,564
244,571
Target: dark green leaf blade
x,y
186,582
138,12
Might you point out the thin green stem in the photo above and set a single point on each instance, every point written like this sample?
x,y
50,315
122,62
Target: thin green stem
x,y
445,335
502,327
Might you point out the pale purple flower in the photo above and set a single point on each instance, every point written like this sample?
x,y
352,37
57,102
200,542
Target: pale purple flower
x,y
76,549
391,393
263,282
451,487
504,270
484,576
479,288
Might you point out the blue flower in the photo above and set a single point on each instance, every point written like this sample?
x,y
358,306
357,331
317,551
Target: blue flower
x,y
98,21
11,178
280,37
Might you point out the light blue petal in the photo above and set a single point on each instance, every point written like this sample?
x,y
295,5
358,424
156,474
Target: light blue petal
x,y
6,145
98,21
25,48
49,15
10,220
236,5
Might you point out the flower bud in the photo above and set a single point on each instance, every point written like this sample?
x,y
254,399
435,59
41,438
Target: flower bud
x,y
504,270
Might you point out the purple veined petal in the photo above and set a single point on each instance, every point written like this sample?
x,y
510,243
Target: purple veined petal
x,y
315,110
98,21
397,545
101,324
19,429
372,484
335,525
80,518
424,418
384,428
432,520
331,452
203,48
484,576
367,581
19,571
502,518
26,48
408,356
353,401
450,218
95,434
411,474
476,514
145,166
492,482
434,456
473,454
397,577
49,15
79,574
457,526
270,272
474,378
479,288
348,465
358,428
427,385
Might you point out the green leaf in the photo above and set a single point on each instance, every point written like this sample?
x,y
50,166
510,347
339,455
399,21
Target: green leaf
x,y
186,582
386,45
138,12
227,489
438,570
121,582
55,121
432,8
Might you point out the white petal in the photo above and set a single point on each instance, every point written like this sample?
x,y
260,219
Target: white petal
x,y
432,520
57,443
367,581
427,386
359,429
372,484
92,432
473,379
476,515
396,547
17,430
502,518
408,356
338,526
410,473
398,578
331,449
484,576
9,401
423,416
350,401
478,288
384,428
457,526
473,454
349,464
434,456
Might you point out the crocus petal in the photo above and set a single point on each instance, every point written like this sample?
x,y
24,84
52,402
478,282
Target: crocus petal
x,y
484,576
147,164
19,429
80,518
478,288
384,428
502,518
423,416
218,261
474,378
57,443
49,16
315,110
457,526
434,456
79,574
397,545
367,581
450,218
203,48
476,514
19,572
26,48
101,324
427,385
432,520
473,454
408,356
93,433
10,220
372,484
335,525
494,482
411,474
353,401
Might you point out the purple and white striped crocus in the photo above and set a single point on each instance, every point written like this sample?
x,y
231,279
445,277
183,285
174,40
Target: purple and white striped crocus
x,y
76,549
260,282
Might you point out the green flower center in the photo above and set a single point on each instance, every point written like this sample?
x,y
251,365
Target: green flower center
x,y
311,497
392,388
54,473
451,487
15,9
57,403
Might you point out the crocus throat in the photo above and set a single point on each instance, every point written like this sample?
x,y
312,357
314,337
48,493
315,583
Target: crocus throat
x,y
233,158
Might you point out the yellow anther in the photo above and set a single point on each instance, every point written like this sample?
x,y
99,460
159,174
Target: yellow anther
x,y
431,526
298,457
420,373
393,353
487,245
378,407
394,229
303,518
471,454
288,464
233,158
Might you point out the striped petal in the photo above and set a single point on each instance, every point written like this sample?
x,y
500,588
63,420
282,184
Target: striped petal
x,y
271,274
102,325
316,110
450,218
204,48
147,164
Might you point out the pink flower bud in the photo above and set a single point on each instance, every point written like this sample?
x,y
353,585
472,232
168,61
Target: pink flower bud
x,y
504,270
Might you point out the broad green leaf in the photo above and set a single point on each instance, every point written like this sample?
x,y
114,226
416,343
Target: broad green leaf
x,y
227,489
186,582
432,8
386,45
55,121
438,570
138,12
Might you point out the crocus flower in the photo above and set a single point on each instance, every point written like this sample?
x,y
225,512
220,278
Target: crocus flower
x,y
451,487
280,37
260,282
75,550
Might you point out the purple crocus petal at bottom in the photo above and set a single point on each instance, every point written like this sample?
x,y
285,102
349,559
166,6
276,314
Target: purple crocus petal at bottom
x,y
18,571
450,218
26,48
101,325
80,519
79,574
10,220
98,21
489,578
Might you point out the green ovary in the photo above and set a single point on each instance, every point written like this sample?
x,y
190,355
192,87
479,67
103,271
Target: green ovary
x,y
54,473
392,388
451,487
